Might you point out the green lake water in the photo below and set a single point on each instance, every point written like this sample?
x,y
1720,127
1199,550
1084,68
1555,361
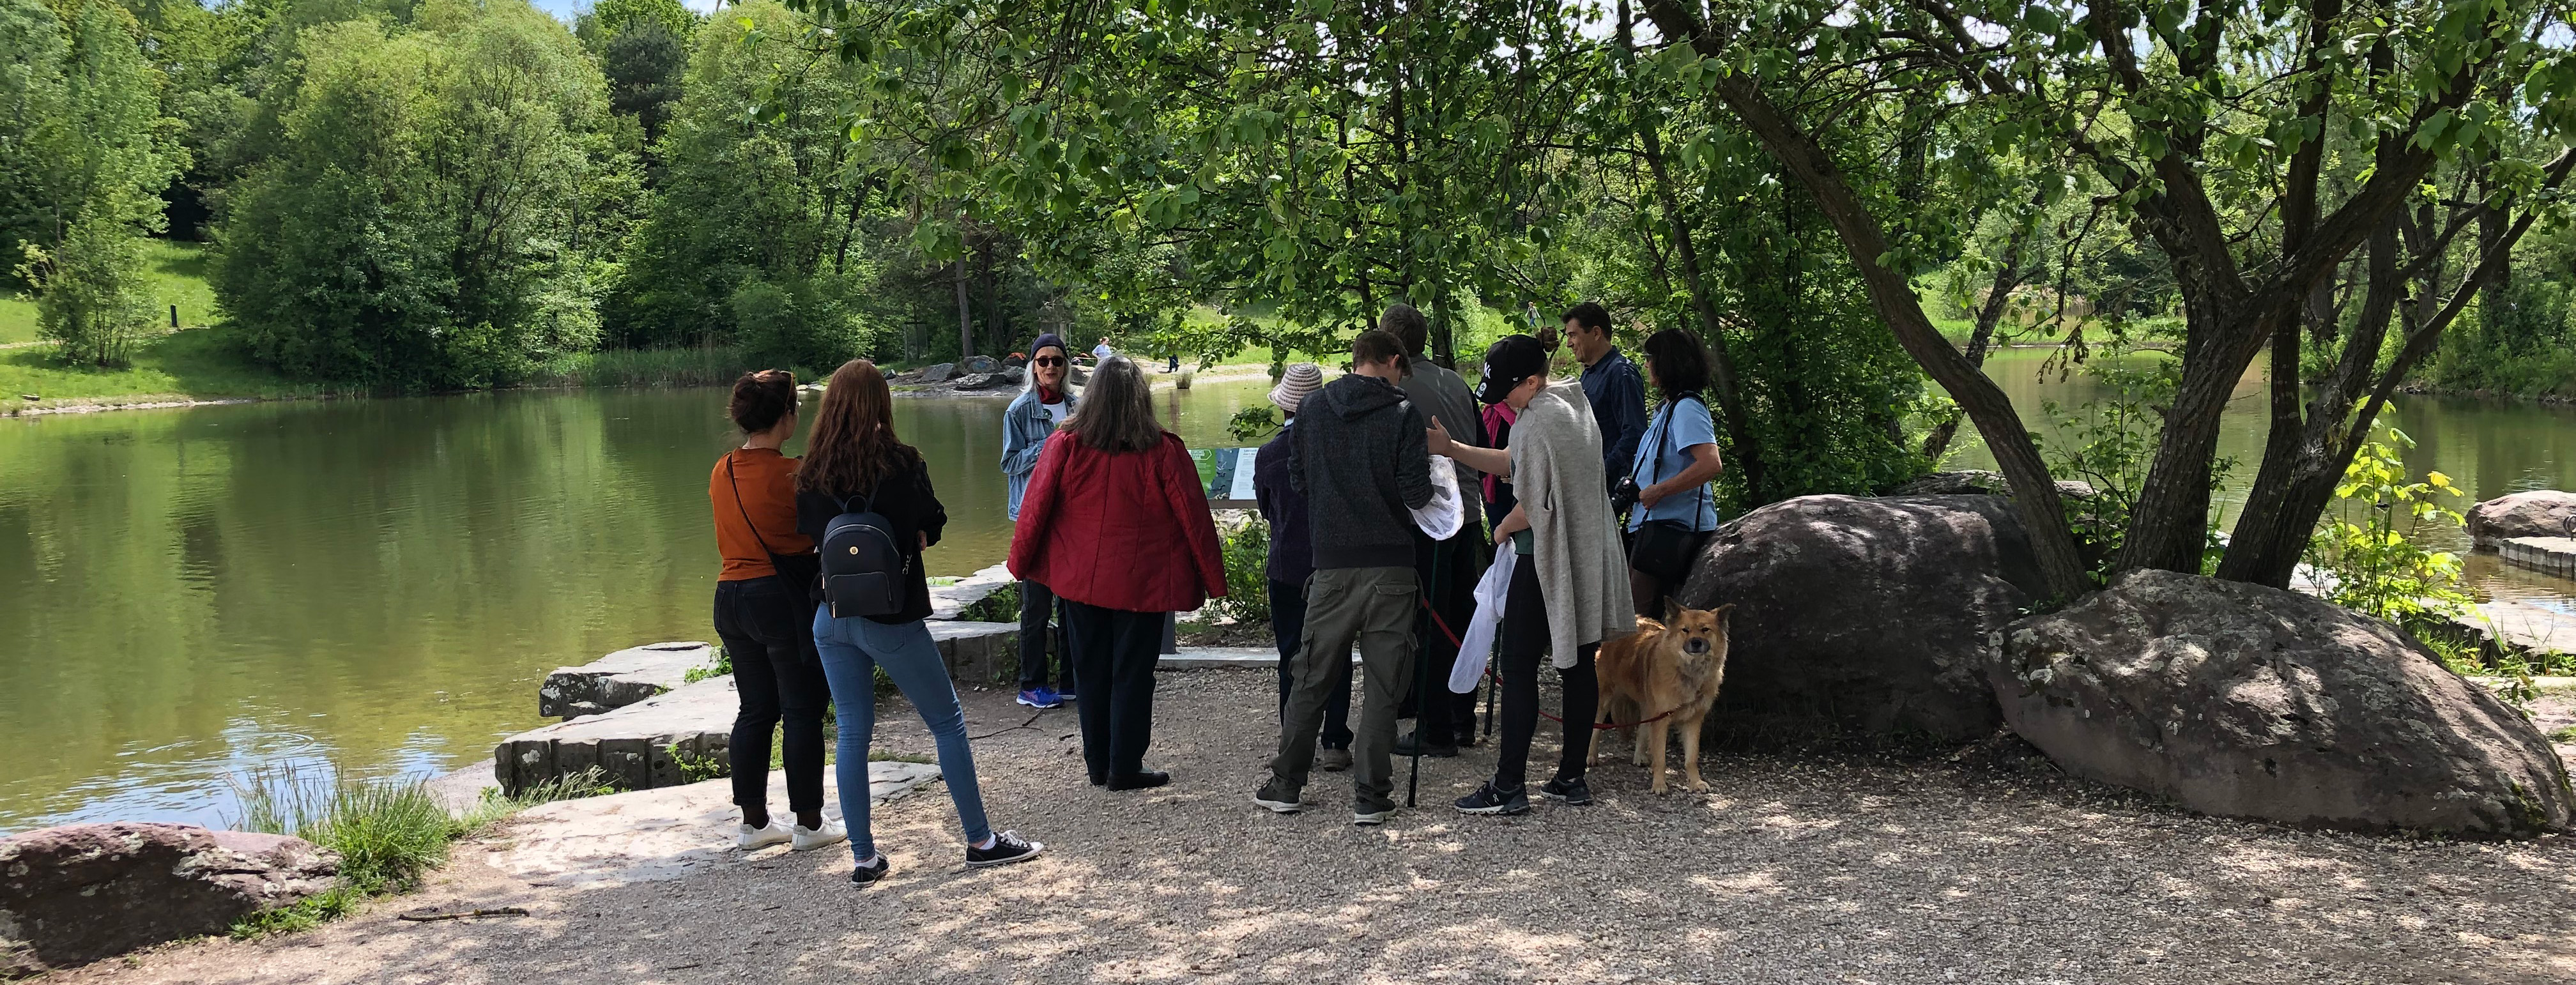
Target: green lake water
x,y
378,586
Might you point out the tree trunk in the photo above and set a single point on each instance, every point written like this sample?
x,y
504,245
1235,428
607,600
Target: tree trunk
x,y
965,315
2034,491
2008,279
1747,450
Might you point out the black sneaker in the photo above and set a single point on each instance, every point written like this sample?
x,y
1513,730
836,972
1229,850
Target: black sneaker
x,y
1488,800
1574,792
1277,801
872,871
1404,748
1008,847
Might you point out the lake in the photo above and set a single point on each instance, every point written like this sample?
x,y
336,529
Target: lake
x,y
378,586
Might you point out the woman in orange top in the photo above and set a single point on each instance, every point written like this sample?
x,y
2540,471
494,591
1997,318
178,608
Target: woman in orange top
x,y
766,622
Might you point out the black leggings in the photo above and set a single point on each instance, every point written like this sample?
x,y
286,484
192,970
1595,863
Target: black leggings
x,y
1524,639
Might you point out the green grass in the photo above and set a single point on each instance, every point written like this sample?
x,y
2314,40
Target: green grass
x,y
192,364
388,833
178,273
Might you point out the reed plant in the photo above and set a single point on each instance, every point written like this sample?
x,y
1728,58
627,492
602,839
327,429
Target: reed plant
x,y
708,366
387,832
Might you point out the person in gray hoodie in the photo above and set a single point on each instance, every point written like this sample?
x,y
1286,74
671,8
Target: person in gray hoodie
x,y
1360,458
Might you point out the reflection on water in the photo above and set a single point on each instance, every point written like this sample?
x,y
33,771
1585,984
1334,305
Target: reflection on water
x,y
2487,447
381,584
378,584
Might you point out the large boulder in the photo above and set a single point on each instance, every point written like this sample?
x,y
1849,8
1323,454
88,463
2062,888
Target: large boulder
x,y
938,373
2247,701
979,364
2537,513
1864,616
78,893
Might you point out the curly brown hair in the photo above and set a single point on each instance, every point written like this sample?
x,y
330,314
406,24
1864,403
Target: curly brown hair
x,y
853,444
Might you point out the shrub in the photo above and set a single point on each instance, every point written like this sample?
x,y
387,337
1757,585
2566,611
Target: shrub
x,y
2365,553
1247,579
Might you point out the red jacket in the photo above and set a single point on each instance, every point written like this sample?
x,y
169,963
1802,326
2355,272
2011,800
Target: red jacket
x,y
1122,530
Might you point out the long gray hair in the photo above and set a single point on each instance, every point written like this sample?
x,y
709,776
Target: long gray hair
x,y
1117,411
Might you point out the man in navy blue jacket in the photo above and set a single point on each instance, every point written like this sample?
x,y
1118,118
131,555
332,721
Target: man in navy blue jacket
x,y
1611,384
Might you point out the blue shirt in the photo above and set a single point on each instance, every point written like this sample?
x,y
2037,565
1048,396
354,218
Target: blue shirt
x,y
1665,453
1617,393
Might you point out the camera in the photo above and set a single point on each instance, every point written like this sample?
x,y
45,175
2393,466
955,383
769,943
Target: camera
x,y
1623,495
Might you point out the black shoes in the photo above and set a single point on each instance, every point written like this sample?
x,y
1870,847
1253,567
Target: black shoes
x,y
1404,748
1488,800
1574,792
1008,847
875,870
1139,781
1277,801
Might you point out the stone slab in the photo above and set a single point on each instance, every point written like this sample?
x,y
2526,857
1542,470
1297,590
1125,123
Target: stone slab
x,y
631,743
1225,657
2556,555
947,601
621,678
978,652
659,835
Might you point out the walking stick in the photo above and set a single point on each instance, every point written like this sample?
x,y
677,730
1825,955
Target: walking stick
x,y
1422,670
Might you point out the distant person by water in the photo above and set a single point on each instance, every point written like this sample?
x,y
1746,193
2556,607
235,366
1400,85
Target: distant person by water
x,y
1116,523
1026,424
1101,352
765,619
855,463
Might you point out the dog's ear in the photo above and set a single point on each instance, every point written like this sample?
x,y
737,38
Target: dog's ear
x,y
1720,612
1673,610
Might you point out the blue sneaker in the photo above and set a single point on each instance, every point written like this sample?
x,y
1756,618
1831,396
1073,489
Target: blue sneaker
x,y
1041,698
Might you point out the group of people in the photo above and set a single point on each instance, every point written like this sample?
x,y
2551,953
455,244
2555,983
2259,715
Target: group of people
x,y
1112,534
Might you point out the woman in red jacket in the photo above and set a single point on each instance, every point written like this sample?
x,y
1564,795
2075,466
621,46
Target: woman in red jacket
x,y
1115,522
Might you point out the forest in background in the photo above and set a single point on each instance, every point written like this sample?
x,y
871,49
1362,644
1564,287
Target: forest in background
x,y
1851,203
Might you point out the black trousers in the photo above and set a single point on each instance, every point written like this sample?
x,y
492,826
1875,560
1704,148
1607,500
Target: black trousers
x,y
1037,603
1524,638
1114,653
1288,624
768,630
1448,569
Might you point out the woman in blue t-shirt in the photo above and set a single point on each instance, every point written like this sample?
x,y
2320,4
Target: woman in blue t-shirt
x,y
1677,458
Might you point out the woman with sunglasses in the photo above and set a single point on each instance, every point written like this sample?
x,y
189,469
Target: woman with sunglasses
x,y
1043,405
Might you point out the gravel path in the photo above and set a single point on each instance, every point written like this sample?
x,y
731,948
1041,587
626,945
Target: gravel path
x,y
1986,867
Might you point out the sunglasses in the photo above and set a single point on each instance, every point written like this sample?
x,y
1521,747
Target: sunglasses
x,y
1047,361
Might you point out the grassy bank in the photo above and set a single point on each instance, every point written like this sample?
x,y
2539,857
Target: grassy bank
x,y
178,278
388,833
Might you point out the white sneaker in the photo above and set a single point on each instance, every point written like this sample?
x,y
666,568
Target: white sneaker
x,y
747,838
831,833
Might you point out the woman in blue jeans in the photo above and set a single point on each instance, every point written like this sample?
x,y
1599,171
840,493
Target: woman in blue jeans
x,y
855,463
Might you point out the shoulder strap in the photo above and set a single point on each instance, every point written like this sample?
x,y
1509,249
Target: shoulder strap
x,y
730,480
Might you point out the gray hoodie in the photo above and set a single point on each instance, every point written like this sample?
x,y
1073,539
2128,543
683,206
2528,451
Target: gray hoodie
x,y
1358,457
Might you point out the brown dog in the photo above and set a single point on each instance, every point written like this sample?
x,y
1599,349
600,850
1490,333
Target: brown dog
x,y
1672,669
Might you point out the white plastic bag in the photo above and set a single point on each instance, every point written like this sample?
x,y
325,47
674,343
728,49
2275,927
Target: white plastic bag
x,y
1477,646
1446,513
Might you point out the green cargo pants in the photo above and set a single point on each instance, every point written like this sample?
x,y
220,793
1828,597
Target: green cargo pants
x,y
1373,606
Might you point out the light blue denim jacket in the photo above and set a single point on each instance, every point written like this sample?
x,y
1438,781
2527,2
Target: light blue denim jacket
x,y
1024,432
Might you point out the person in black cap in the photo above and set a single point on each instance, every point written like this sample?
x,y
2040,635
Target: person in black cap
x,y
1569,589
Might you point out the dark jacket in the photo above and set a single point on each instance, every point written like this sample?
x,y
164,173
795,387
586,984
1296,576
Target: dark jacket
x,y
1617,393
1360,461
905,499
1123,530
1292,551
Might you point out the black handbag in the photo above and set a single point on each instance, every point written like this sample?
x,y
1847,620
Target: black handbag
x,y
1666,549
797,572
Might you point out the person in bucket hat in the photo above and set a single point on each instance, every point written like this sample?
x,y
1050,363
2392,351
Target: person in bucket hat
x,y
1292,559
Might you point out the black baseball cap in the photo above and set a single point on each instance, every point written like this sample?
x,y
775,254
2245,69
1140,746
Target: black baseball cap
x,y
1508,361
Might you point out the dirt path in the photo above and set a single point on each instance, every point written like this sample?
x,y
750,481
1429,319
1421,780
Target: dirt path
x,y
1791,870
